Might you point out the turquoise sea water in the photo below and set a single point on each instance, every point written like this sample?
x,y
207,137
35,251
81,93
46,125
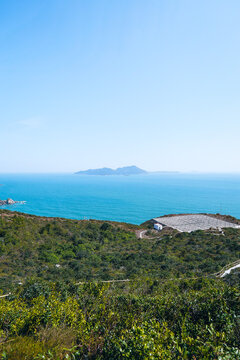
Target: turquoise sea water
x,y
131,199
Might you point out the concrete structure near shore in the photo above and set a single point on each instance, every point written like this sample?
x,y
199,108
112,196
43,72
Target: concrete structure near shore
x,y
157,226
193,222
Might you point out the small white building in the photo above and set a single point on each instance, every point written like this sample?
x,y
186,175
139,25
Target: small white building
x,y
157,227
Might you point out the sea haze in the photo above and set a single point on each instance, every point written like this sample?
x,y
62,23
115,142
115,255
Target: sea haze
x,y
131,199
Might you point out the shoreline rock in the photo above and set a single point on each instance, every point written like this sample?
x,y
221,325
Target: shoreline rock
x,y
10,202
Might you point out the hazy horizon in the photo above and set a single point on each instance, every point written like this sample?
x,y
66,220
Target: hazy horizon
x,y
93,84
148,172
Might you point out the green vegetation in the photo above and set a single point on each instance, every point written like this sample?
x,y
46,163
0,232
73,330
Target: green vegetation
x,y
185,319
172,308
32,246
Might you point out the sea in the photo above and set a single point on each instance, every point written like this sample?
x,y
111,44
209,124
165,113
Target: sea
x,y
132,199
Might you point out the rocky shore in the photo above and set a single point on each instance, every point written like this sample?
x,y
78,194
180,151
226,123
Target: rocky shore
x,y
10,202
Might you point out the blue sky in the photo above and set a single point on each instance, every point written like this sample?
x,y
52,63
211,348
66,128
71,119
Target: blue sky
x,y
86,84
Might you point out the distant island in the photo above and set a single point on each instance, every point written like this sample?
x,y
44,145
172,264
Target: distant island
x,y
126,170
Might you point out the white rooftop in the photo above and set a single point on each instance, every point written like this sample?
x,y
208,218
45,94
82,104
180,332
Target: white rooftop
x,y
188,223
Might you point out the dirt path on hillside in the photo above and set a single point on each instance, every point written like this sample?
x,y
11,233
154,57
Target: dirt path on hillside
x,y
141,234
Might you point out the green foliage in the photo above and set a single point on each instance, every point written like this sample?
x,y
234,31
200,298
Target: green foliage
x,y
183,319
71,250
170,309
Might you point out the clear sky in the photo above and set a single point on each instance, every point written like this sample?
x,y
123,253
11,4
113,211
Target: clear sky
x,y
93,83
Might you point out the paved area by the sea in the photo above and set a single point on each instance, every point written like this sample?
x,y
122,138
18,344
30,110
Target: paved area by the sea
x,y
190,223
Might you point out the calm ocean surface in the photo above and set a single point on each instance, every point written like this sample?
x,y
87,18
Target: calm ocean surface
x,y
131,199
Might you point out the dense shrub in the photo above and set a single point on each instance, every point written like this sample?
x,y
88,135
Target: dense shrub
x,y
170,305
195,319
71,250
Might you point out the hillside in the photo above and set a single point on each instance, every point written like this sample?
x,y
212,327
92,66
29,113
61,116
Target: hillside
x,y
71,250
62,305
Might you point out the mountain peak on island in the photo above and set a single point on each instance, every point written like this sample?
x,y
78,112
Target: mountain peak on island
x,y
126,170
